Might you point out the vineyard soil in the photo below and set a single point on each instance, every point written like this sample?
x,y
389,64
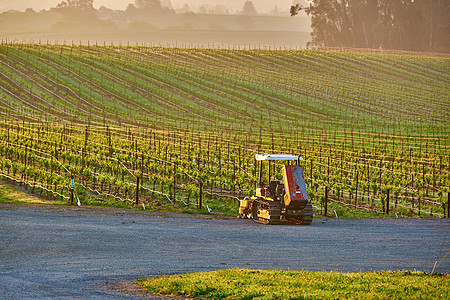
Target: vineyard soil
x,y
50,251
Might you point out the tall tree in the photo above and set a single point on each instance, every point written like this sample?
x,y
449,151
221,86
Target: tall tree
x,y
84,5
150,7
329,21
435,15
148,4
249,8
389,24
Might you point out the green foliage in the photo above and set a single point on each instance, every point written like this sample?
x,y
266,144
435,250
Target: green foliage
x,y
277,284
180,117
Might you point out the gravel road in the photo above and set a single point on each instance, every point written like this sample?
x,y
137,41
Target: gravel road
x,y
88,253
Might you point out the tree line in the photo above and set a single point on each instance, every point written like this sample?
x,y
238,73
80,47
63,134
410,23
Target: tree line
x,y
154,7
149,7
414,25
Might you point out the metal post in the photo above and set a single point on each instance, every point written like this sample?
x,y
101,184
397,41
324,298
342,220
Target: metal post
x,y
260,174
326,201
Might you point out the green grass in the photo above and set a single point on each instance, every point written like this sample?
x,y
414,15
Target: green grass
x,y
277,284
12,196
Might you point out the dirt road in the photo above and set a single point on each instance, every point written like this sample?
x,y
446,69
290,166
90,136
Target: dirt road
x,y
61,252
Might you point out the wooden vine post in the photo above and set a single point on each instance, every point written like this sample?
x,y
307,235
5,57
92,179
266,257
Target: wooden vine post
x,y
136,202
387,202
51,177
418,204
174,180
326,201
108,132
26,154
368,183
448,202
234,177
356,190
200,195
86,136
72,184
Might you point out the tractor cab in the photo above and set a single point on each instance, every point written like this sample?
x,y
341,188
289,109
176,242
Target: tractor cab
x,y
275,191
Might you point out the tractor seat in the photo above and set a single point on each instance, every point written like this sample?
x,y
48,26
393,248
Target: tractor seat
x,y
280,191
273,185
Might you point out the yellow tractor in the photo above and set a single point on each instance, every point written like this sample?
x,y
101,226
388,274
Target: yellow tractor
x,y
278,203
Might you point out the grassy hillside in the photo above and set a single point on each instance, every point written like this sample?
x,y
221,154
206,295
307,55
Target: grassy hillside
x,y
365,123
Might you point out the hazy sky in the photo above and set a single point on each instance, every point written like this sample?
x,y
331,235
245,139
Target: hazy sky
x,y
234,5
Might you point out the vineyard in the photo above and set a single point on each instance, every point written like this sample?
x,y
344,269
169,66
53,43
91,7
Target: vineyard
x,y
159,127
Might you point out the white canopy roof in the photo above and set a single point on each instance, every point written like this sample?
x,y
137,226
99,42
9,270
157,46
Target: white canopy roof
x,y
277,157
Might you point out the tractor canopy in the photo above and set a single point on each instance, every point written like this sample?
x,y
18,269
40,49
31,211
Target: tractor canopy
x,y
269,157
